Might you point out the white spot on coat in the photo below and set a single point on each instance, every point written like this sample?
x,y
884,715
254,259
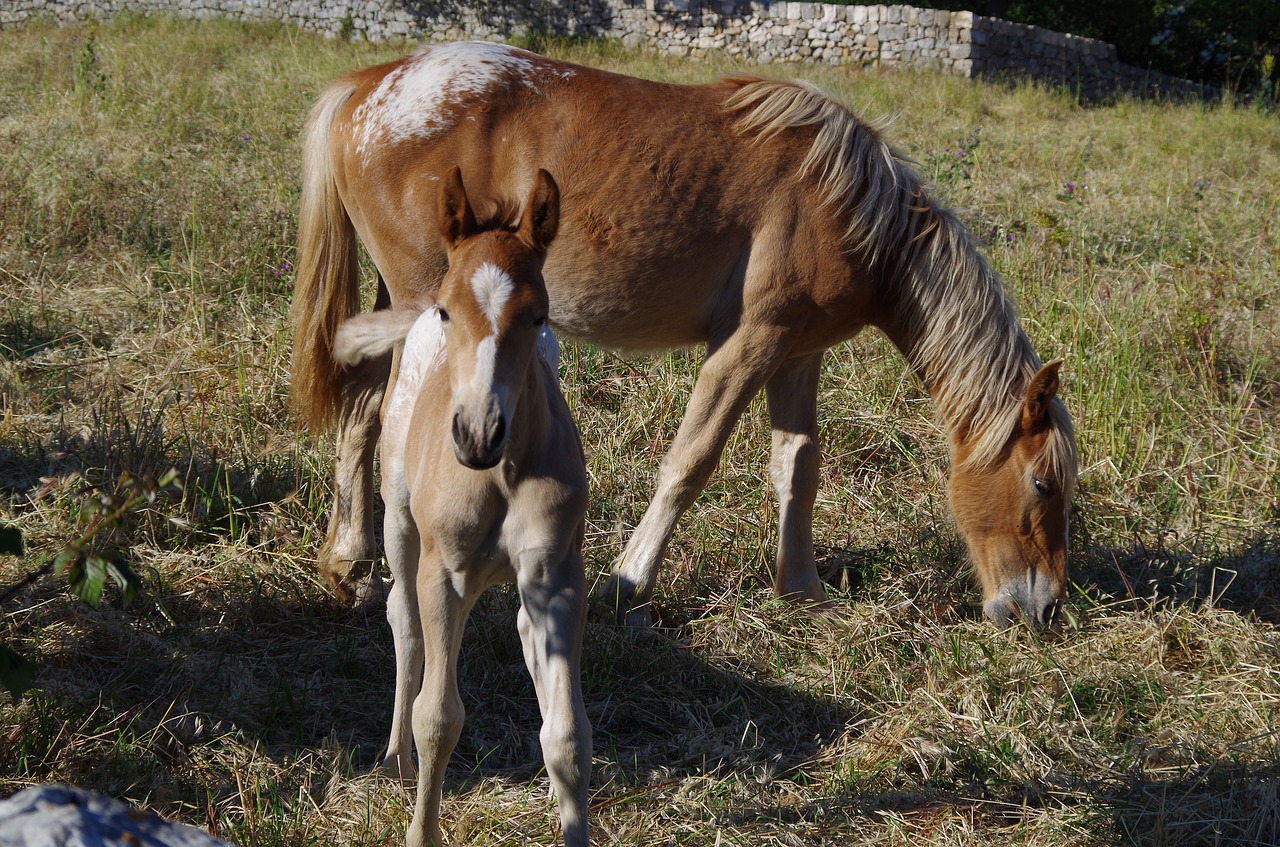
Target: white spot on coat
x,y
423,97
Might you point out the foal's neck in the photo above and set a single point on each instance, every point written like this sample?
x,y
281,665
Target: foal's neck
x,y
532,421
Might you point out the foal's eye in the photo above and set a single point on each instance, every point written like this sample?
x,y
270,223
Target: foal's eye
x,y
444,316
540,322
1044,486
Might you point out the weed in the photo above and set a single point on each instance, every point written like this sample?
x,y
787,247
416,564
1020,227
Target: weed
x,y
956,163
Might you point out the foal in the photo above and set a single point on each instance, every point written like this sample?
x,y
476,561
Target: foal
x,y
484,483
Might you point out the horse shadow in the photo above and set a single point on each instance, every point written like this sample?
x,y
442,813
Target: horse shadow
x,y
1214,803
1244,578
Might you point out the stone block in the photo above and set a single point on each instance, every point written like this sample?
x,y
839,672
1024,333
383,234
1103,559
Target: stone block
x,y
73,817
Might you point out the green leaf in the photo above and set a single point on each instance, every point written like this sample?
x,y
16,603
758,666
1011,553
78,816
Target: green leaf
x,y
16,673
87,576
123,575
63,559
10,540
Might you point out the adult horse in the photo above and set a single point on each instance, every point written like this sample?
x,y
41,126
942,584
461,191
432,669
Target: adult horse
x,y
758,217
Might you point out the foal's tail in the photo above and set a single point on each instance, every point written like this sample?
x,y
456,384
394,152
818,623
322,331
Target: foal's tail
x,y
326,291
372,334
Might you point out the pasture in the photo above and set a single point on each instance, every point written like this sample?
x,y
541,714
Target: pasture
x,y
148,197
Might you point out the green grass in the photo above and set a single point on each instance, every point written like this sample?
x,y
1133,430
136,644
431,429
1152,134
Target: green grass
x,y
148,194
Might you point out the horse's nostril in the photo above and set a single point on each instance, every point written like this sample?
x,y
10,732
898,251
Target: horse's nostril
x,y
1048,614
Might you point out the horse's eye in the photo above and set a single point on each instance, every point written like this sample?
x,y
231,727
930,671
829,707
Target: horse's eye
x,y
540,322
1044,486
444,316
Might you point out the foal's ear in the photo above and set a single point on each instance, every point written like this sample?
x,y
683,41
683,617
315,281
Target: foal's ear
x,y
453,213
541,216
1040,393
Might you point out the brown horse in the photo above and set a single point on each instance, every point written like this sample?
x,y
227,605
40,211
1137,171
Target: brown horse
x,y
484,482
757,216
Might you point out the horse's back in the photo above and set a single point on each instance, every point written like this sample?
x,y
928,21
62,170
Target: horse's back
x,y
661,195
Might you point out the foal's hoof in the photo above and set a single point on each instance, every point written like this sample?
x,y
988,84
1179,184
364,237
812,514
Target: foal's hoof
x,y
401,768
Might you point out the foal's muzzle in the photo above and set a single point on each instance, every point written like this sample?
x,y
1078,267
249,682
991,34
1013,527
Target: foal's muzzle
x,y
480,440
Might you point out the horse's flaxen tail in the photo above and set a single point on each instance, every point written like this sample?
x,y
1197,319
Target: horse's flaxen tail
x,y
326,291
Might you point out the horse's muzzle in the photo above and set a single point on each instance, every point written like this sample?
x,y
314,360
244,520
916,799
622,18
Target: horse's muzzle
x,y
1039,605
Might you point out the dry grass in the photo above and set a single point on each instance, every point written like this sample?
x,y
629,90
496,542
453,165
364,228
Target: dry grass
x,y
148,189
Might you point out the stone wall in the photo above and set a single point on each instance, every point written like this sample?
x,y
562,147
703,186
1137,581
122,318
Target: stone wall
x,y
758,30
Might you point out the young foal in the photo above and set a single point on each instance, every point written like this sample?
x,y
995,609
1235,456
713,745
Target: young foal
x,y
484,482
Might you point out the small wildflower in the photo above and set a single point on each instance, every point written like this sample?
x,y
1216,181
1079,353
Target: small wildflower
x,y
284,268
1068,192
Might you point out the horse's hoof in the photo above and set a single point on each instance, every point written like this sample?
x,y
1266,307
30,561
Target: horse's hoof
x,y
618,596
370,590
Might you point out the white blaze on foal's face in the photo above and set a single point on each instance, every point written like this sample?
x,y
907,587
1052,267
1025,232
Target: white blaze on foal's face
x,y
492,287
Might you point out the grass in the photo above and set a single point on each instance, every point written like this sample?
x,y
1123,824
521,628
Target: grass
x,y
148,192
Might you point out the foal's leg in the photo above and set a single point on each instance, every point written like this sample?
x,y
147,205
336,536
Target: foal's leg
x,y
550,621
347,558
402,543
731,375
437,710
794,466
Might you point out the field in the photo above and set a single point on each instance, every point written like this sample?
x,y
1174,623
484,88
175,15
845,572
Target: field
x,y
148,197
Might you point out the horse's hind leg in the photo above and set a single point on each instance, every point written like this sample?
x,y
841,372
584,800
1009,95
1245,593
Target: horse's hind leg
x,y
348,557
731,375
550,621
794,466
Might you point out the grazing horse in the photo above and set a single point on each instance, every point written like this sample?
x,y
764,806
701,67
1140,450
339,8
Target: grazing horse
x,y
484,482
756,216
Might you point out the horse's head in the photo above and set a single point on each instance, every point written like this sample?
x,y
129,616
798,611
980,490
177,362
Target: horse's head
x,y
1013,511
493,303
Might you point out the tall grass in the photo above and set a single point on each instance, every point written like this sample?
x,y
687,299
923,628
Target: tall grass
x,y
148,192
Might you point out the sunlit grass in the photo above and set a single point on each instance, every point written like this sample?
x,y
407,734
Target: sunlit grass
x,y
148,193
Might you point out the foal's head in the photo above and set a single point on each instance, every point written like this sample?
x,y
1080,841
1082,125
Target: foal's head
x,y
493,303
1013,510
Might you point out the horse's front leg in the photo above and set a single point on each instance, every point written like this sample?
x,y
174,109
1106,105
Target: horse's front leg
x,y
550,621
794,465
731,375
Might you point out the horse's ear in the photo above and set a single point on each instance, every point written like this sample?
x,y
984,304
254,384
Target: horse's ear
x,y
541,217
1040,393
454,214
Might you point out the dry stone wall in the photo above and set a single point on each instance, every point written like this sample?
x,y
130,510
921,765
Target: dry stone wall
x,y
758,30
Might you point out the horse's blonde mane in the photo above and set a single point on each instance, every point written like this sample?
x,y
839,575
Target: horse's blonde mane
x,y
963,335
